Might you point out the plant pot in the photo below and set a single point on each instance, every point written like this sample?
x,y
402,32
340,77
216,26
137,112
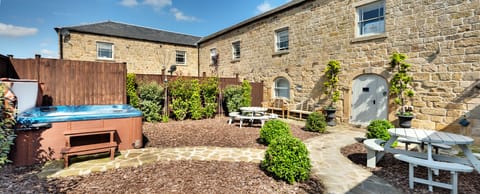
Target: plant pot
x,y
330,117
405,121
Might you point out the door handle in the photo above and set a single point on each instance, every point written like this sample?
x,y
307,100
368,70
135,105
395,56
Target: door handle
x,y
373,101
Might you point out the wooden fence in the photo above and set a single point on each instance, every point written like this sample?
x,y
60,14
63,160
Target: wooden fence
x,y
67,82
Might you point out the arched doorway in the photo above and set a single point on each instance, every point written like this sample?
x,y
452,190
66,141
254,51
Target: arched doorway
x,y
369,99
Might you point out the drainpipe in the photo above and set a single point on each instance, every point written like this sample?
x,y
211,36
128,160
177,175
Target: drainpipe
x,y
198,60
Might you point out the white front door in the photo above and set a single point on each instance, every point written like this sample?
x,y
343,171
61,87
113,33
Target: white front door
x,y
369,99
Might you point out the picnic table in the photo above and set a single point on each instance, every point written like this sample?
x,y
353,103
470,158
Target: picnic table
x,y
433,162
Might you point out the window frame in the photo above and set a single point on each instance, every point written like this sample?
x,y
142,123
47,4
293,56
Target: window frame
x,y
99,45
236,50
360,23
278,41
277,88
213,54
177,52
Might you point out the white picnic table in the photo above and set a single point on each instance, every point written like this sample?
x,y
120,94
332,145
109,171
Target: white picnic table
x,y
254,110
429,137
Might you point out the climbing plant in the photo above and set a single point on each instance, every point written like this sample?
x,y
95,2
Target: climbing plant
x,y
400,84
331,82
7,124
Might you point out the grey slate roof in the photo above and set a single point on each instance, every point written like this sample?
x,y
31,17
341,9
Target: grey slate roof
x,y
286,6
110,28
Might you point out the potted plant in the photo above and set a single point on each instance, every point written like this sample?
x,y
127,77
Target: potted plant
x,y
400,88
331,90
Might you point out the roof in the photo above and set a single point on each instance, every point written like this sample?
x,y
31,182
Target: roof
x,y
115,29
286,6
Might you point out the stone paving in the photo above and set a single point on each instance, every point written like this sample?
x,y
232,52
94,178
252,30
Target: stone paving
x,y
338,174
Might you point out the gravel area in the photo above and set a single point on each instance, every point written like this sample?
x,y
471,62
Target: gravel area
x,y
396,172
172,176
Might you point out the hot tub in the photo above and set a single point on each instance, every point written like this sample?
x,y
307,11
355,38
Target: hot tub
x,y
40,131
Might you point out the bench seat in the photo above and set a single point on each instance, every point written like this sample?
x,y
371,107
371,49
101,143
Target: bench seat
x,y
93,148
436,146
431,165
375,151
262,119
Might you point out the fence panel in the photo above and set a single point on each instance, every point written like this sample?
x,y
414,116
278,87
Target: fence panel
x,y
68,82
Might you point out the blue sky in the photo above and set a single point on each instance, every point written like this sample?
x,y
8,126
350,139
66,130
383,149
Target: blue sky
x,y
27,26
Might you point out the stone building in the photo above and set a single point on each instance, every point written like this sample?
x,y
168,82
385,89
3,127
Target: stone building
x,y
288,48
145,50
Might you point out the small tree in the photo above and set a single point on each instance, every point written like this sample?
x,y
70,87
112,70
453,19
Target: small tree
x,y
131,90
400,82
233,97
331,83
246,94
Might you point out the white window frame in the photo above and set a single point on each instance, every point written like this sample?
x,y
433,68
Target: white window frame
x,y
370,26
179,53
213,54
277,88
236,50
282,36
104,45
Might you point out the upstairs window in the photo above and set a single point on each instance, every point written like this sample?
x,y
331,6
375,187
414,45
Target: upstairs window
x,y
236,50
371,19
180,57
281,39
282,88
104,50
213,56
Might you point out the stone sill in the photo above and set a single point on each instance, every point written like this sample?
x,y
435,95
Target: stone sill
x,y
105,59
280,53
368,38
235,60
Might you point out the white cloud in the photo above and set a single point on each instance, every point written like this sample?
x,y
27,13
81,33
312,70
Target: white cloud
x,y
265,6
158,4
16,31
182,17
48,53
129,3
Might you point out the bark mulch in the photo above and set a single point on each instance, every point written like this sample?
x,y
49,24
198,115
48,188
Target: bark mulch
x,y
172,176
396,172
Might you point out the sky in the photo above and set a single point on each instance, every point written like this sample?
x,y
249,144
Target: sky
x,y
27,26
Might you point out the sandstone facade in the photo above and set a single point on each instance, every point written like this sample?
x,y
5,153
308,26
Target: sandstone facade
x,y
441,39
142,57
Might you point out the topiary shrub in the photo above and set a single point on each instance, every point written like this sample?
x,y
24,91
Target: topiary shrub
x,y
379,129
316,123
131,91
273,129
287,159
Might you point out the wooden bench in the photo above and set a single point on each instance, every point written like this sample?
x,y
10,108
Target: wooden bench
x,y
302,109
434,166
436,146
375,151
70,150
277,104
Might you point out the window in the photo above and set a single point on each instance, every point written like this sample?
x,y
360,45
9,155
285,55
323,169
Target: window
x,y
371,18
104,50
282,88
180,57
213,56
236,50
281,38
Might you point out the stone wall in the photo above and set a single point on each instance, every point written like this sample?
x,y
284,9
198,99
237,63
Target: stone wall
x,y
441,38
142,57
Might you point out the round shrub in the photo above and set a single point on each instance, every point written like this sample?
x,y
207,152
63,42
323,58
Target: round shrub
x,y
379,129
287,159
316,122
273,129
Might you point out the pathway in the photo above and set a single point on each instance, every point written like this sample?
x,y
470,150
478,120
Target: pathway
x,y
338,174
